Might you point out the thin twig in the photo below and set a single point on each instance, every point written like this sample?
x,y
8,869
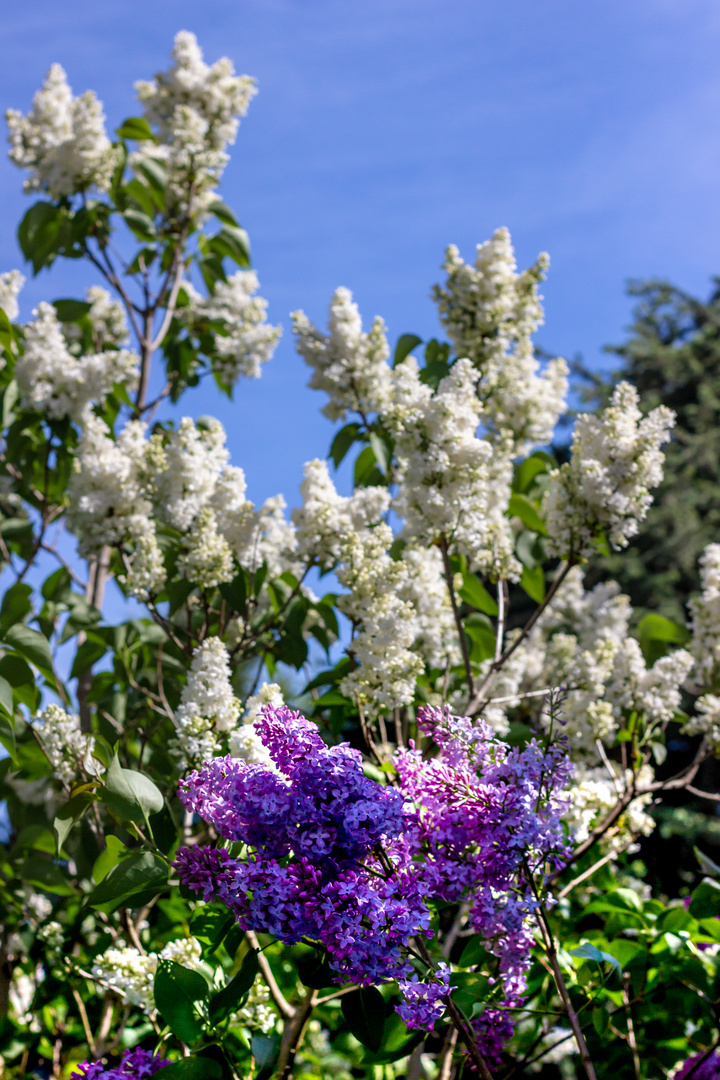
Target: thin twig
x,y
632,1041
276,993
477,702
456,613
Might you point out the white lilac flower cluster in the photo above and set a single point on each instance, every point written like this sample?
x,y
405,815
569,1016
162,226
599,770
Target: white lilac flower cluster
x,y
705,619
348,364
62,140
55,382
68,749
399,608
10,285
581,643
208,708
244,741
107,317
605,487
124,489
490,313
453,485
130,973
242,340
194,110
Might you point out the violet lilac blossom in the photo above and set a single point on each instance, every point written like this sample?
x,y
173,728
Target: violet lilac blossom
x,y
336,858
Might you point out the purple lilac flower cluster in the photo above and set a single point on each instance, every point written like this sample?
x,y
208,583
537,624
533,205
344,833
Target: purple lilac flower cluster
x,y
318,807
486,820
136,1064
424,1002
709,1069
336,858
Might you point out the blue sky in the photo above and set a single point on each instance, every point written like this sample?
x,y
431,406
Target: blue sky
x,y
386,129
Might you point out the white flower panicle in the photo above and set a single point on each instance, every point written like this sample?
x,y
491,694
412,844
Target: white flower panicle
x,y
244,741
453,485
208,708
325,517
425,588
10,285
107,317
653,692
593,794
105,492
490,313
125,489
385,625
605,487
706,721
187,465
131,974
128,973
348,364
208,559
62,140
68,749
243,340
705,618
195,110
54,382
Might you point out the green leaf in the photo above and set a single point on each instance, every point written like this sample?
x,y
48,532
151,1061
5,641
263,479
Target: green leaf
x,y
475,952
88,654
520,506
33,646
156,176
364,1012
46,876
228,1000
10,398
405,345
16,605
140,872
114,851
469,988
527,470
177,991
130,795
140,223
235,592
233,242
586,951
705,900
654,627
135,127
193,1068
71,311
383,454
38,234
264,1048
7,732
533,583
57,585
7,336
210,925
480,631
366,470
475,594
342,442
222,212
69,814
706,864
